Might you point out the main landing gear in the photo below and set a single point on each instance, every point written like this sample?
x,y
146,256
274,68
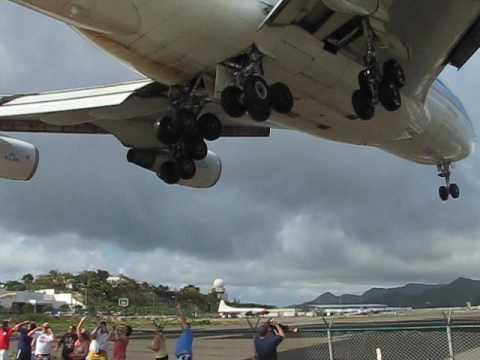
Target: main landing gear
x,y
377,85
450,189
185,131
251,93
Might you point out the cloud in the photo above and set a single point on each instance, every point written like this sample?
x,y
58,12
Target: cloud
x,y
293,215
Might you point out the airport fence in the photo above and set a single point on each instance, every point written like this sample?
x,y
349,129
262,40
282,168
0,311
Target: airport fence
x,y
449,342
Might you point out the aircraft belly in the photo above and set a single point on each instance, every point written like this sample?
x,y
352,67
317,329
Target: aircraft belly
x,y
195,35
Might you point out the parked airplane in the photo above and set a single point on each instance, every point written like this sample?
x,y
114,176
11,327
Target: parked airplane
x,y
227,311
354,71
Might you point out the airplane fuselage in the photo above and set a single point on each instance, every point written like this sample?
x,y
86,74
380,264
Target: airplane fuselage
x,y
171,41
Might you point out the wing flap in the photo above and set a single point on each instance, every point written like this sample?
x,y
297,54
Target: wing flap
x,y
70,100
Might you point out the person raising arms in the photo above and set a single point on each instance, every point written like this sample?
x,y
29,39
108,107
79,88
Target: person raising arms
x,y
82,344
67,342
159,344
184,348
120,342
44,342
6,333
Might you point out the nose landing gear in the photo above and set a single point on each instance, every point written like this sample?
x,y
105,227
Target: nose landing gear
x,y
377,87
251,92
452,190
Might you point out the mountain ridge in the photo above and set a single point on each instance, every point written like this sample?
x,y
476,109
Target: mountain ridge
x,y
417,295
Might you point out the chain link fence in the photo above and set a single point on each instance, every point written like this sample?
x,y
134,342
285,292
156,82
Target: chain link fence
x,y
449,342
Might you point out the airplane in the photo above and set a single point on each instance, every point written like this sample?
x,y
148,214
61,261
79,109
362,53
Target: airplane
x,y
361,72
226,311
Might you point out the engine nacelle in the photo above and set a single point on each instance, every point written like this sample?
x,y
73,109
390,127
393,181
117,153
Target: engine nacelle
x,y
207,174
353,7
18,159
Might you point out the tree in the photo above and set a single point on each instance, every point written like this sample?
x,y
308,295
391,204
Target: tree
x,y
27,280
14,286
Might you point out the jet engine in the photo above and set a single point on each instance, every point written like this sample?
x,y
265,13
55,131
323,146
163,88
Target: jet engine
x,y
18,159
205,174
353,7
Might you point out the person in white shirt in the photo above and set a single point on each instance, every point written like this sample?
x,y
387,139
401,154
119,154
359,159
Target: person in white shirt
x,y
99,344
44,342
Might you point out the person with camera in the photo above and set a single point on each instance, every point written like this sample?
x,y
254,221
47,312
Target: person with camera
x,y
269,336
44,341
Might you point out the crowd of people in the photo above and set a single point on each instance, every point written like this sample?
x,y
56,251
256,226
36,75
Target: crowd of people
x,y
39,342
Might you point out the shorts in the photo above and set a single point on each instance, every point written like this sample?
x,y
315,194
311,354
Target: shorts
x,y
23,355
42,357
4,355
162,358
184,357
97,356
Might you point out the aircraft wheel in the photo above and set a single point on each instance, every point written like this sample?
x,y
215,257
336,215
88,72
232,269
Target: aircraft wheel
x,y
168,130
281,98
197,149
259,112
364,83
454,191
210,127
169,172
231,102
362,104
187,169
390,97
394,73
444,193
256,92
188,120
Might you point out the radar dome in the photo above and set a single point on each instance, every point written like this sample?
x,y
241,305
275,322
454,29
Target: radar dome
x,y
219,284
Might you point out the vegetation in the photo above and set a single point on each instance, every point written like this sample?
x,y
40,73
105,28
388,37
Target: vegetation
x,y
100,293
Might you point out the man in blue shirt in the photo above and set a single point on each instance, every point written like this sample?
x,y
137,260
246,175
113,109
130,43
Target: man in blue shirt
x,y
269,336
184,348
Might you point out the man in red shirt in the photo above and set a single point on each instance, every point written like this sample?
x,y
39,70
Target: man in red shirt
x,y
6,333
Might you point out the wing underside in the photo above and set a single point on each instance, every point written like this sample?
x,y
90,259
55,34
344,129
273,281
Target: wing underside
x,y
125,110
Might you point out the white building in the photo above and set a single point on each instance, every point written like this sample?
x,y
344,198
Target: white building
x,y
38,298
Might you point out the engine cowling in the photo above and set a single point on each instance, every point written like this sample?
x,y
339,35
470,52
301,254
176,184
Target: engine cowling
x,y
207,174
18,159
353,7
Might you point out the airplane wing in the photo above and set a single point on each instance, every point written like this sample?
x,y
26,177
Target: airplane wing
x,y
125,110
424,35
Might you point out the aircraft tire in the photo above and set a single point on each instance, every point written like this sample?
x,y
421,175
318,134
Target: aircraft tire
x,y
231,103
169,172
362,105
454,191
259,112
187,169
394,73
364,83
197,149
281,98
444,193
389,96
168,130
256,91
210,127
187,119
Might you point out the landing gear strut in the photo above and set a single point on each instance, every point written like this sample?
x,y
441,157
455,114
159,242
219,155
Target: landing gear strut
x,y
184,131
453,190
251,93
377,85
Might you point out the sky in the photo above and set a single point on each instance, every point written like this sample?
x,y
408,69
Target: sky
x,y
292,217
